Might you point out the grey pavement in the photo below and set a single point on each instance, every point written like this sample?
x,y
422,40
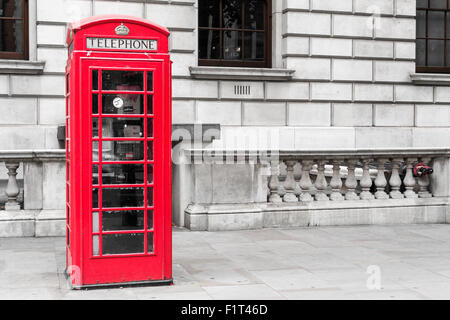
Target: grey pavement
x,y
358,262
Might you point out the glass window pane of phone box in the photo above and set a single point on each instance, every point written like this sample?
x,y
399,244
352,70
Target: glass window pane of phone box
x,y
122,80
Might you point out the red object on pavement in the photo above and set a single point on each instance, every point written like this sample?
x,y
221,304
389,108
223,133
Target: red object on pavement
x,y
118,152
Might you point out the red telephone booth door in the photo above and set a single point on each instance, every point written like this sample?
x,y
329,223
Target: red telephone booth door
x,y
123,215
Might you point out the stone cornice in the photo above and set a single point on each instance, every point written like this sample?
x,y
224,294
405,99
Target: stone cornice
x,y
229,73
21,67
431,78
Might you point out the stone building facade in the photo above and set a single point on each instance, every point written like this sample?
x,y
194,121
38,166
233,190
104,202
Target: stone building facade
x,y
342,76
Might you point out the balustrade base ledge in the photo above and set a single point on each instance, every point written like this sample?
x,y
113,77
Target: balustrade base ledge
x,y
227,217
357,204
32,223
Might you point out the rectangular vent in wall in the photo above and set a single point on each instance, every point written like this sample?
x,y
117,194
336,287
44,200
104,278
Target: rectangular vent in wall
x,y
242,90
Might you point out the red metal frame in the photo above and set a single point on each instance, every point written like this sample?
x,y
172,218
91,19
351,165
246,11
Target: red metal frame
x,y
85,268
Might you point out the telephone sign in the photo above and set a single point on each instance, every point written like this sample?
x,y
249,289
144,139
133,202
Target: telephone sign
x,y
118,163
122,44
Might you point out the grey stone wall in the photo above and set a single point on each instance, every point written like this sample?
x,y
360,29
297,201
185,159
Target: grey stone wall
x,y
358,66
352,86
352,62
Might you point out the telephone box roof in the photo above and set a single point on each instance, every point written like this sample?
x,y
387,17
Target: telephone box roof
x,y
108,18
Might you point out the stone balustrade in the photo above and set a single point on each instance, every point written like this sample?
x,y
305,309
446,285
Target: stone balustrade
x,y
254,189
335,175
322,178
12,160
39,209
224,190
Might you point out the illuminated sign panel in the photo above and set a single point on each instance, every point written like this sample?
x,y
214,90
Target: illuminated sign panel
x,y
122,44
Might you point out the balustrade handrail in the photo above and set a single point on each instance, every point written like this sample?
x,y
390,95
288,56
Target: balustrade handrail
x,y
33,155
320,153
319,177
12,160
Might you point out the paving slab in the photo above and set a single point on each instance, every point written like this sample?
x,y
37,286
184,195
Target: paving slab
x,y
289,279
244,292
316,294
403,294
410,262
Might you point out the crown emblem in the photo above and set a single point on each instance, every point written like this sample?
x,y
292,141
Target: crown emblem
x,y
122,30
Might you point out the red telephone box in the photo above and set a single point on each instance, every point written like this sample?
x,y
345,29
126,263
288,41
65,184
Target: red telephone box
x,y
118,128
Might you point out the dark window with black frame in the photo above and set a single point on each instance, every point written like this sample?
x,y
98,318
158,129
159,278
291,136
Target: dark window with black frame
x,y
433,36
14,29
234,33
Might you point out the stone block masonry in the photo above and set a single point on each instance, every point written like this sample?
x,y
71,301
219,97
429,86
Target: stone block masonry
x,y
345,54
351,84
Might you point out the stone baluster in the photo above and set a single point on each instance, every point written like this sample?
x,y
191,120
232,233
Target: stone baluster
x,y
380,180
424,182
321,182
351,183
297,189
336,182
366,182
305,182
274,183
289,184
281,190
410,181
12,188
395,182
